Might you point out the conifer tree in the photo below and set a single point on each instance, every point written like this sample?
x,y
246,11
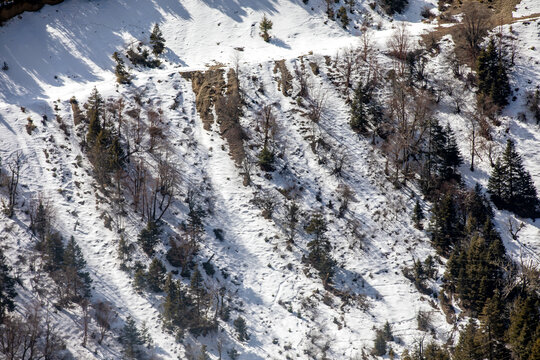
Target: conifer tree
x,y
265,26
468,347
451,157
155,276
122,76
359,109
319,256
445,225
149,237
535,351
291,220
418,215
496,183
53,252
171,303
74,267
93,114
139,279
524,321
492,75
131,339
7,288
493,325
379,344
199,292
511,186
241,328
157,41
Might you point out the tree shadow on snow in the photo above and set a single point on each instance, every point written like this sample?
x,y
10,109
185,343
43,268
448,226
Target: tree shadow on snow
x,y
280,43
235,9
72,43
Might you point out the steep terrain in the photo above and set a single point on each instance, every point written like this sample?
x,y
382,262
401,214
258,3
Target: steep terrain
x,y
63,52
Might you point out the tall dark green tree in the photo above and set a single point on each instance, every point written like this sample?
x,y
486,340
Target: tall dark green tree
x,y
319,248
122,75
493,321
94,113
418,215
155,277
78,278
157,41
469,346
524,321
492,76
131,339
7,288
511,186
445,226
359,109
149,237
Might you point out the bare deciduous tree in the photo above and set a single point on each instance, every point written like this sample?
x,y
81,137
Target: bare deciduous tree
x,y
399,46
104,317
14,167
473,28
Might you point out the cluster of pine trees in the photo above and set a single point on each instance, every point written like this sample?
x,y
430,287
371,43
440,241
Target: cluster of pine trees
x,y
511,186
102,140
64,262
492,74
7,288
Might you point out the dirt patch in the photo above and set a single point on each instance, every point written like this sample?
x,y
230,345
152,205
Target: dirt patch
x,y
285,81
215,95
229,110
207,86
14,8
501,14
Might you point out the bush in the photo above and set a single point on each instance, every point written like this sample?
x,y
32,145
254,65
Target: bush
x,y
241,328
266,159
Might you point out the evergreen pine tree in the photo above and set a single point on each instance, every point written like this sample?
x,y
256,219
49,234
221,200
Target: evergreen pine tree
x,y
241,328
492,75
172,301
53,252
265,26
94,113
122,76
524,321
511,186
451,157
199,291
319,255
445,225
492,324
359,109
74,267
418,215
535,351
149,237
157,41
379,344
155,276
496,183
468,347
139,279
7,288
131,339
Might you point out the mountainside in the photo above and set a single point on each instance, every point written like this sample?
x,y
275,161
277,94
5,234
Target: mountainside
x,y
238,198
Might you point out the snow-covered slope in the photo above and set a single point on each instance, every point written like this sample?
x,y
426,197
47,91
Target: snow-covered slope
x,y
64,51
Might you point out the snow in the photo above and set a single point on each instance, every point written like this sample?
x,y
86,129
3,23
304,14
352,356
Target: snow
x,y
526,8
65,51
